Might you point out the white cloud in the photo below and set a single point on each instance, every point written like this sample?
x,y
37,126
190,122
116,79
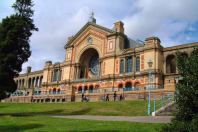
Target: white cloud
x,y
57,20
162,18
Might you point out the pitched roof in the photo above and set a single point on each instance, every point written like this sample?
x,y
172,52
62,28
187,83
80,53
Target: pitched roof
x,y
130,43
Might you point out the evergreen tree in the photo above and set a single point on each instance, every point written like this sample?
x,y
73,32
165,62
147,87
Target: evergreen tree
x,y
15,32
186,119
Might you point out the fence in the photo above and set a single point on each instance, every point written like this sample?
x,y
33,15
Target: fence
x,y
50,93
131,89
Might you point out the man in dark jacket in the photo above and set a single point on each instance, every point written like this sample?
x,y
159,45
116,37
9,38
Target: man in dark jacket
x,y
114,96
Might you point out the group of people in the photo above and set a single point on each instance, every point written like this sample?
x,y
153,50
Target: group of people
x,y
84,98
121,97
114,97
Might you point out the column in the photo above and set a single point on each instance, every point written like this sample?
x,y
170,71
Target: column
x,y
77,74
134,63
57,76
32,82
75,71
38,83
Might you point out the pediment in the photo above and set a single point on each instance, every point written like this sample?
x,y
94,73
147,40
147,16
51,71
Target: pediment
x,y
89,28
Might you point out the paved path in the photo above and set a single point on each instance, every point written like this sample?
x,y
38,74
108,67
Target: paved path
x,y
145,119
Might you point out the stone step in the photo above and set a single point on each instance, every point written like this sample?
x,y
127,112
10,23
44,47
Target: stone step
x,y
167,110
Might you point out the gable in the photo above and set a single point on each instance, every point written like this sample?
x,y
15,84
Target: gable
x,y
89,28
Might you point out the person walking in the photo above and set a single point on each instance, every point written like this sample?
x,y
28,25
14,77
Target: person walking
x,y
121,97
114,96
107,97
82,97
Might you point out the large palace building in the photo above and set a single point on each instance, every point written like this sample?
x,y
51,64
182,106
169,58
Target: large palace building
x,y
100,61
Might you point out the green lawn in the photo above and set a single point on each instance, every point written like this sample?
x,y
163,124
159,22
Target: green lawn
x,y
52,124
124,108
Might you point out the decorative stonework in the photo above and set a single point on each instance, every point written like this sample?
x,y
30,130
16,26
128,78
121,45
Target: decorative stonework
x,y
142,62
103,67
117,65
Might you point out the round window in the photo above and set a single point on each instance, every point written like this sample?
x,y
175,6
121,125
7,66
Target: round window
x,y
90,40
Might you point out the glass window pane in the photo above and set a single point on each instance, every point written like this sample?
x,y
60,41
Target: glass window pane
x,y
122,66
129,66
137,64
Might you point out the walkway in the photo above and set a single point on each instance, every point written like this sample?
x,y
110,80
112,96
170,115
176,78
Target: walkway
x,y
145,119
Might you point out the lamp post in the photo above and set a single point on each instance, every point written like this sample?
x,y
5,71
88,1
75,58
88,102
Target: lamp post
x,y
149,99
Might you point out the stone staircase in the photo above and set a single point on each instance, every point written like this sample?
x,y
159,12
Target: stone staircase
x,y
167,110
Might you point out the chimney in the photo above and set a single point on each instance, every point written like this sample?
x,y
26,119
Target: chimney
x,y
48,63
28,69
152,40
119,27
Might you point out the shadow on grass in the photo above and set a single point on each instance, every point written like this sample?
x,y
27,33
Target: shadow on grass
x,y
80,112
98,131
48,113
19,128
3,106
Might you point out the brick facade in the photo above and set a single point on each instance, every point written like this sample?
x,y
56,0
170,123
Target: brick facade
x,y
74,76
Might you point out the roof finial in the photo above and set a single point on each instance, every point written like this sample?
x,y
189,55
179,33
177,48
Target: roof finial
x,y
91,18
92,15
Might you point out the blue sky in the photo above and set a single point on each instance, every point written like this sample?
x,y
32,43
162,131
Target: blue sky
x,y
175,22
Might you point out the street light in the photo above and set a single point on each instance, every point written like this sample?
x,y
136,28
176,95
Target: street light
x,y
149,100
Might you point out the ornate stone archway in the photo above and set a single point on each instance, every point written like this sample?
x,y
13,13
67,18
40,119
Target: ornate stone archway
x,y
89,65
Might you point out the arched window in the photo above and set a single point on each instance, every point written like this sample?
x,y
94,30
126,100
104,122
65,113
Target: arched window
x,y
80,89
129,65
170,64
137,64
29,83
19,84
85,88
54,91
58,92
121,66
120,86
137,86
91,89
33,82
128,86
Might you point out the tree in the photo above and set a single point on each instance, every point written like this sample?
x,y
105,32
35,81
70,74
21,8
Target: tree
x,y
15,32
186,119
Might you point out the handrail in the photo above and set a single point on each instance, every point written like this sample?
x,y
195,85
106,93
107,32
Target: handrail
x,y
163,101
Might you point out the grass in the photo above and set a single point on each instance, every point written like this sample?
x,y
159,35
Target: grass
x,y
52,124
124,108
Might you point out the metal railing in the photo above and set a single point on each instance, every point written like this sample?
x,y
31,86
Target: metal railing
x,y
131,89
90,91
153,87
162,101
50,93
111,90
